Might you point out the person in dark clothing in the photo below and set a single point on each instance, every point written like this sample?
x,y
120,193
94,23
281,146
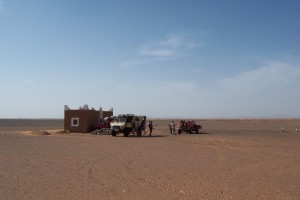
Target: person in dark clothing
x,y
150,126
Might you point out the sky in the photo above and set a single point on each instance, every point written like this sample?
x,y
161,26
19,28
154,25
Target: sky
x,y
160,58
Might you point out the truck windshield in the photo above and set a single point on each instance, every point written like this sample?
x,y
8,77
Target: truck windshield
x,y
119,120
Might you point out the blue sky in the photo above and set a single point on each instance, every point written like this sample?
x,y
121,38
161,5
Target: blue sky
x,y
161,58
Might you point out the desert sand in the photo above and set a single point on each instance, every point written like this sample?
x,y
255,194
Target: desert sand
x,y
229,159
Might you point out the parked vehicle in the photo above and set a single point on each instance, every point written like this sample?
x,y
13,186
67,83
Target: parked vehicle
x,y
103,127
128,123
189,126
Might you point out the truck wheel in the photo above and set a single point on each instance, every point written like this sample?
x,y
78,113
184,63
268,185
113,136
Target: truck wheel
x,y
126,132
113,133
197,131
179,131
191,131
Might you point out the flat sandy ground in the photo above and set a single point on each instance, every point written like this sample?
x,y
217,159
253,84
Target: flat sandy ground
x,y
230,159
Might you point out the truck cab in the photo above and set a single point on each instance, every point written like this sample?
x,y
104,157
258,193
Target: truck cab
x,y
127,123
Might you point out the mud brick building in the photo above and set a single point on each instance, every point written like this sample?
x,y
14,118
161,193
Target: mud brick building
x,y
83,119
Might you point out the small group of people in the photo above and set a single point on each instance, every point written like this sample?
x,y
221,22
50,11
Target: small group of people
x,y
140,126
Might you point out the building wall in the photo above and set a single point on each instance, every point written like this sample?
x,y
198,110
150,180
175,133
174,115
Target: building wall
x,y
107,114
86,119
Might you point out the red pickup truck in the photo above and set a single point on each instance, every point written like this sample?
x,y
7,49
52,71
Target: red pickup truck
x,y
188,126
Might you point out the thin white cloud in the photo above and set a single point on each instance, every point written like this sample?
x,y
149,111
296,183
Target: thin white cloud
x,y
157,52
169,47
137,62
271,90
174,41
268,91
272,77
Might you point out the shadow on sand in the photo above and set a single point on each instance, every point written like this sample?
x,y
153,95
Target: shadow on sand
x,y
147,136
161,136
200,133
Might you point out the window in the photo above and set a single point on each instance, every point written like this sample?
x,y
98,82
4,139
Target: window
x,y
116,120
75,121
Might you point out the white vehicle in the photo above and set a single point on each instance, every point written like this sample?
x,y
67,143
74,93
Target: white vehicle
x,y
128,123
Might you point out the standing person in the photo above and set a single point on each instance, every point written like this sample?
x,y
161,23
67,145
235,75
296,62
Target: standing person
x,y
150,126
137,126
172,128
143,123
